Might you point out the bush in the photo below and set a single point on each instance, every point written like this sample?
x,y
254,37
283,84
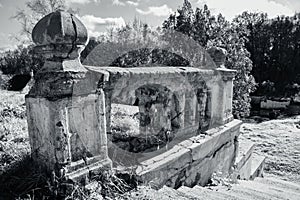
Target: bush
x,y
20,61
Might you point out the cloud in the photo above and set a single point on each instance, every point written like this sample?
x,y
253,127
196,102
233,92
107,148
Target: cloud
x,y
118,3
1,5
92,22
160,11
132,3
7,42
231,8
81,1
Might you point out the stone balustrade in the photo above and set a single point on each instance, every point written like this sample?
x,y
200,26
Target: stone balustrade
x,y
69,109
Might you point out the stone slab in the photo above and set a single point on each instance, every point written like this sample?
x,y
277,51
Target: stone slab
x,y
257,167
243,160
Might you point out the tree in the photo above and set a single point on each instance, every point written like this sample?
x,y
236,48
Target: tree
x,y
274,45
185,18
170,23
202,25
232,37
258,41
20,61
35,10
209,30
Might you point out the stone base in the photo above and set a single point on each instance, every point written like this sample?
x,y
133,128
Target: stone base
x,y
84,174
194,160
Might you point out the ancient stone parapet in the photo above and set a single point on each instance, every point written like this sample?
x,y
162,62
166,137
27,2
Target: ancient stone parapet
x,y
65,110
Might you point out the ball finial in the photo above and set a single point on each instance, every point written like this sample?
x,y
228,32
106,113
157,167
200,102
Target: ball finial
x,y
59,35
218,55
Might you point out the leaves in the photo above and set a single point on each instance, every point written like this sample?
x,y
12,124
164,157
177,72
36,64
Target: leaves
x,y
35,10
20,61
275,50
209,30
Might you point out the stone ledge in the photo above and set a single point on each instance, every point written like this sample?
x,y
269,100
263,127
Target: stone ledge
x,y
197,152
200,147
82,174
149,70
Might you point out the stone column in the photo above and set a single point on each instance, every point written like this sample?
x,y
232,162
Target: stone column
x,y
223,112
65,113
225,95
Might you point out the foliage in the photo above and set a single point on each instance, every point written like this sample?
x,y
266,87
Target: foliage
x,y
184,18
20,61
35,10
274,45
209,30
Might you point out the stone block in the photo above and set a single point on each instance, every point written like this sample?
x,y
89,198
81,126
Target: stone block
x,y
243,160
193,160
215,138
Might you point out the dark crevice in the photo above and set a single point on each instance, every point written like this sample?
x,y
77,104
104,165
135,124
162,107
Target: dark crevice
x,y
213,153
221,147
75,37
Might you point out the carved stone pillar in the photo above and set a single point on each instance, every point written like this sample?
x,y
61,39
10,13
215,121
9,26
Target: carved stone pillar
x,y
66,116
225,86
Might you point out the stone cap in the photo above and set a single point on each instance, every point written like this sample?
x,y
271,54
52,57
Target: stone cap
x,y
227,74
58,34
218,55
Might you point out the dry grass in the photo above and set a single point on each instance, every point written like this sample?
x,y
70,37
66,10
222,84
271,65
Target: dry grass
x,y
14,143
18,176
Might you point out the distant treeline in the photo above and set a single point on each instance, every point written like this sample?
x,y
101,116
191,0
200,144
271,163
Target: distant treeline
x,y
274,45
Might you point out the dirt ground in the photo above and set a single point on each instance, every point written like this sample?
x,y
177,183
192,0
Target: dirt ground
x,y
279,141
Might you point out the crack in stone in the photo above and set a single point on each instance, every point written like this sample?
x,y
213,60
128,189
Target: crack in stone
x,y
75,37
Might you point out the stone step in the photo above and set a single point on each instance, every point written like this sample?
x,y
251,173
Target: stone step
x,y
164,193
200,193
278,183
167,193
243,160
269,189
258,189
241,192
257,166
218,193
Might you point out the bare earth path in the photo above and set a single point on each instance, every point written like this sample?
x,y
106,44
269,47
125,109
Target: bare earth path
x,y
279,141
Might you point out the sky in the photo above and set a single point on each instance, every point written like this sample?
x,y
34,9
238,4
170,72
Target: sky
x,y
98,15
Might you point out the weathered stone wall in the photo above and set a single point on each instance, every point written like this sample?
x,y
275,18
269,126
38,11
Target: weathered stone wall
x,y
184,83
69,112
193,161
